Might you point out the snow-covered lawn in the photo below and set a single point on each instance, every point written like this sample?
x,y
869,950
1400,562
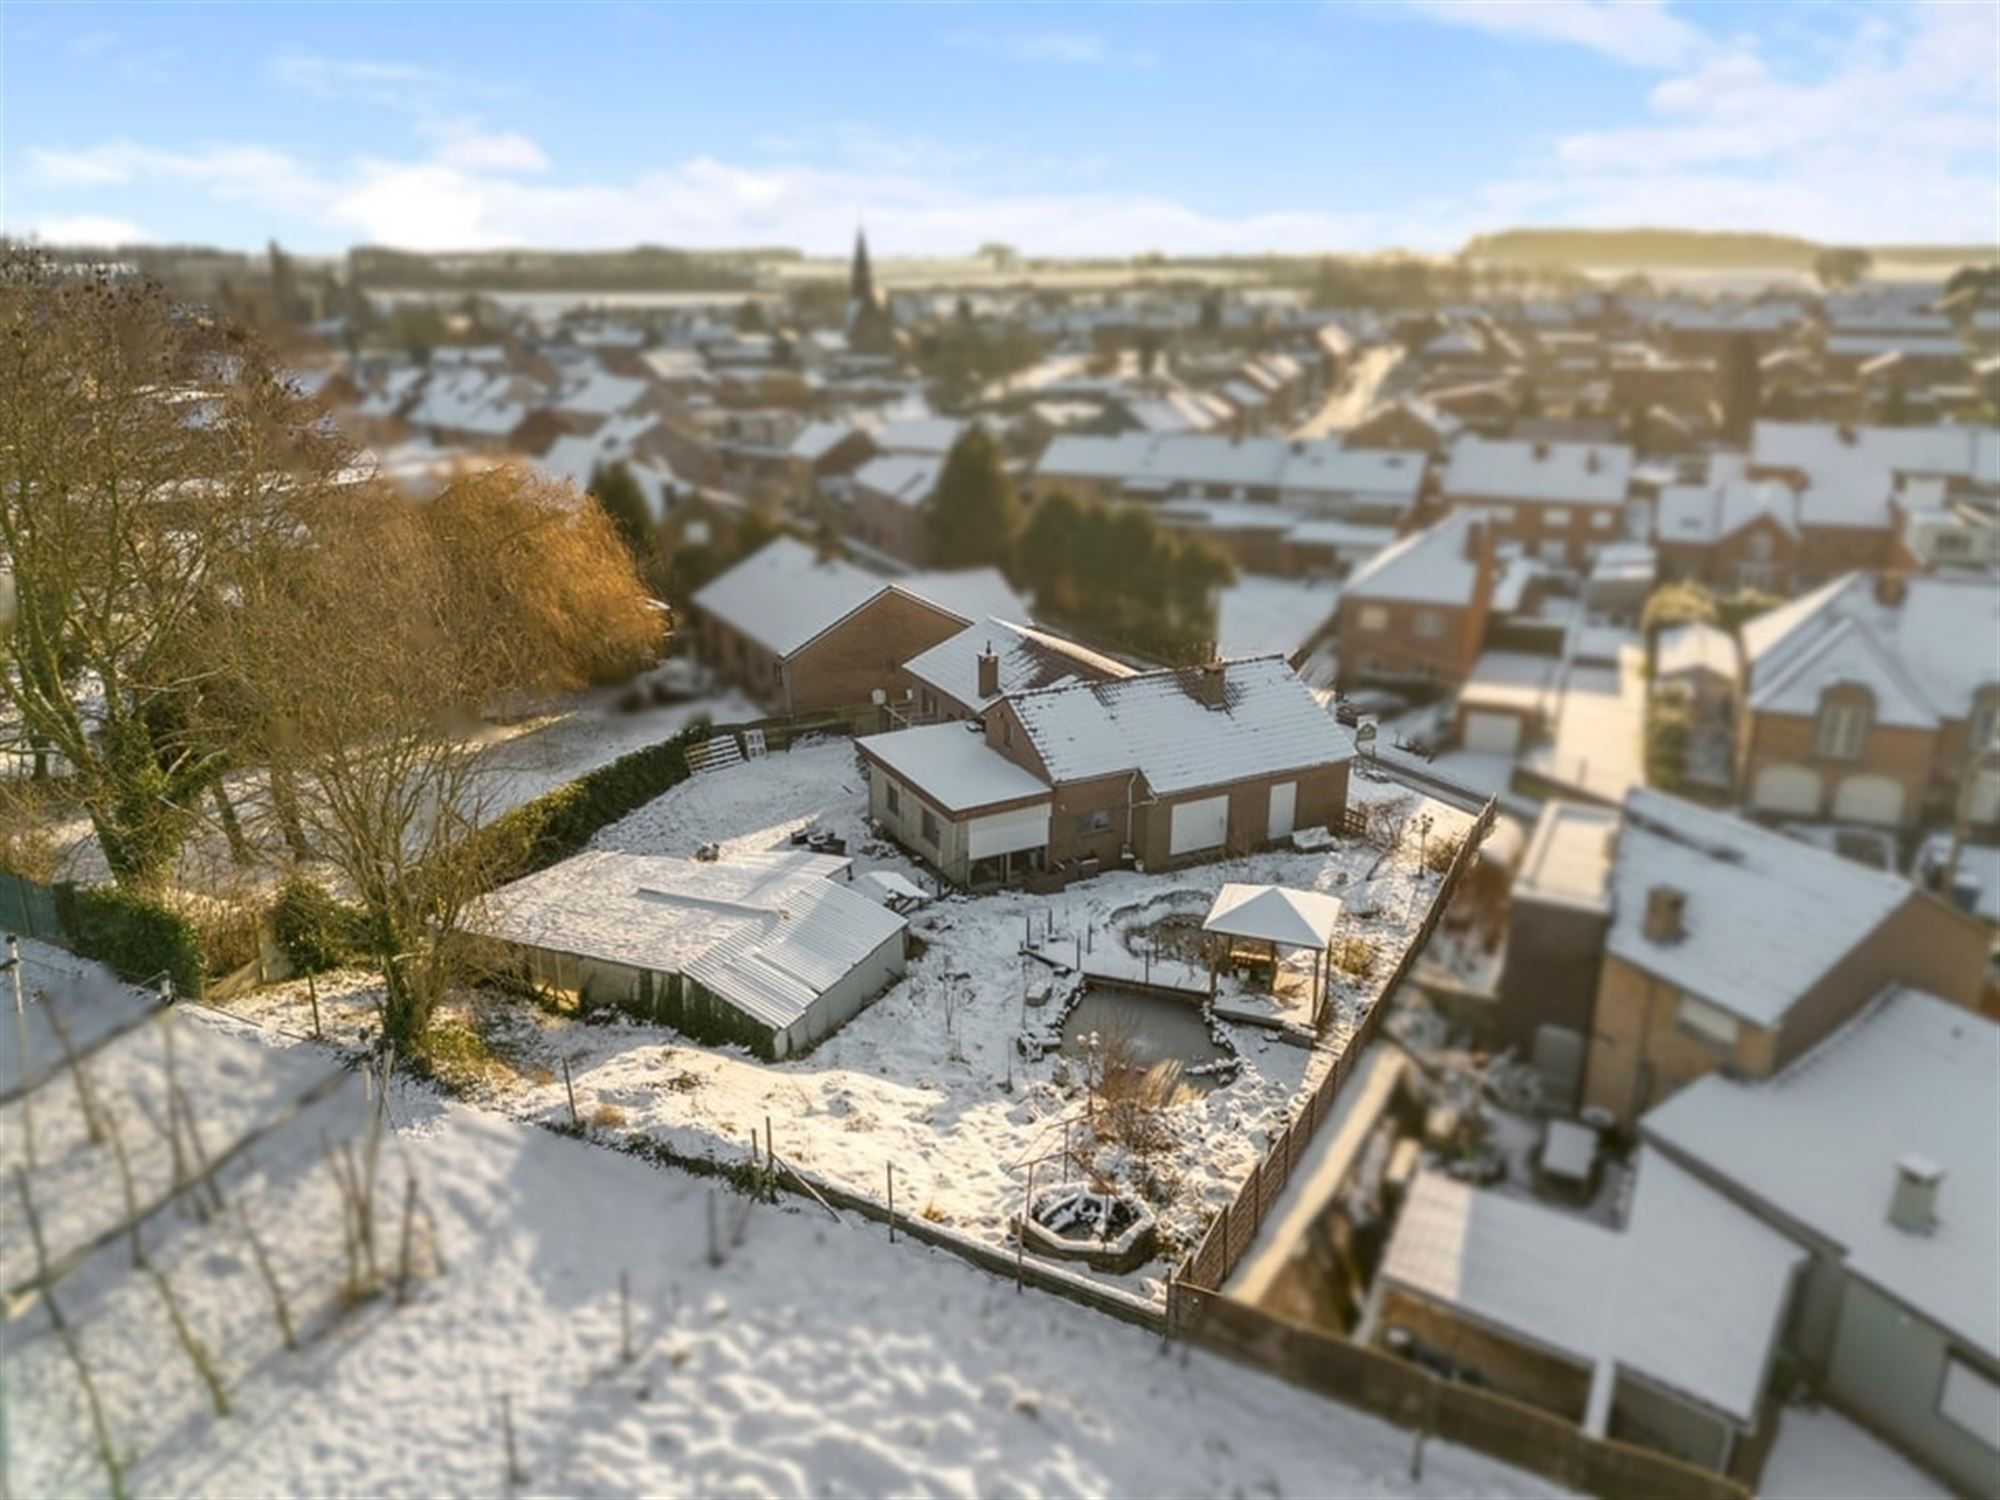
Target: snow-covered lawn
x,y
816,1359
1820,1455
929,1079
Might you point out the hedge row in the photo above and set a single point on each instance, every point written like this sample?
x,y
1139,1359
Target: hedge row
x,y
136,938
561,821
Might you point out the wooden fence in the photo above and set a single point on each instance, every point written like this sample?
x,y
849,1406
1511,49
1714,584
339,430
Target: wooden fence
x,y
1230,1234
1411,1397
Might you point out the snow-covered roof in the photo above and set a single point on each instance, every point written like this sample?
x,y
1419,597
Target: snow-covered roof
x,y
969,593
1274,914
1428,413
1706,513
817,439
1258,614
1517,680
1028,658
1844,654
932,435
1853,497
1341,536
1699,647
1425,567
1828,447
1156,723
473,399
785,594
1568,859
669,915
907,478
1935,645
1820,1143
1763,916
1551,473
1298,469
954,766
597,392
1688,1295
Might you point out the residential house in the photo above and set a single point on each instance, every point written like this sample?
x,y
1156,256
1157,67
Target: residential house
x,y
1662,1331
889,506
1416,612
1731,947
1560,501
1875,1154
1734,535
1866,700
1409,423
1156,769
964,675
824,456
803,633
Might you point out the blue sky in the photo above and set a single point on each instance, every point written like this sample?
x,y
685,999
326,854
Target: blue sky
x,y
1060,129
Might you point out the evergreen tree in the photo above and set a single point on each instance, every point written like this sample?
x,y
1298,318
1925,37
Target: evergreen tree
x,y
974,514
619,496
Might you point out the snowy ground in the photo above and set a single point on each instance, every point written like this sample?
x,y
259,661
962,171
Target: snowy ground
x,y
815,1359
928,1079
1820,1455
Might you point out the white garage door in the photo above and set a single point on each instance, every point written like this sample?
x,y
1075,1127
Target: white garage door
x,y
1869,799
1196,826
1500,733
1008,832
1284,810
1786,789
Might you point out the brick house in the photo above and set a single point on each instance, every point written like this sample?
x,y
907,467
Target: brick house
x,y
1740,534
1560,501
962,676
1156,769
890,504
1417,610
801,633
1408,424
1732,947
1865,700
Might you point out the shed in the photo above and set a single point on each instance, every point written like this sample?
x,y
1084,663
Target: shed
x,y
764,949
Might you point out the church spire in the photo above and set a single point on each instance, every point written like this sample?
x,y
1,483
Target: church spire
x,y
861,278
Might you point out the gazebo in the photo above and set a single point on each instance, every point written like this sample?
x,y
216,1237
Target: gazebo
x,y
1276,919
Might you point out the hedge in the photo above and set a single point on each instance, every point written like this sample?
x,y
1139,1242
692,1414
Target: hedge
x,y
313,930
134,937
557,824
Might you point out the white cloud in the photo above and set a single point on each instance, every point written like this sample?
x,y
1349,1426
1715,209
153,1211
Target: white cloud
x,y
474,150
87,229
1642,33
411,87
1067,48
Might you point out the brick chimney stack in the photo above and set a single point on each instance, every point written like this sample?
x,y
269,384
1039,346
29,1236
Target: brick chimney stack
x,y
989,673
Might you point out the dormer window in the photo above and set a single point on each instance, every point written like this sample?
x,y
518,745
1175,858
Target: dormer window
x,y
1842,729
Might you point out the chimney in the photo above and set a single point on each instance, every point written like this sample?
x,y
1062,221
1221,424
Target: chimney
x,y
1591,462
1913,1201
1209,684
1475,539
1541,449
1889,586
989,673
1665,905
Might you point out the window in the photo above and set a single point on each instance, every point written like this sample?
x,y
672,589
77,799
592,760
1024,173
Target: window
x,y
1430,623
930,828
1971,1398
1758,548
1095,821
1842,730
930,702
892,795
1554,550
1374,617
1712,1025
1601,520
1985,724
1500,515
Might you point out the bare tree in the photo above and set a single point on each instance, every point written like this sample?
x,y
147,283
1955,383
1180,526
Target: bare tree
x,y
370,643
142,449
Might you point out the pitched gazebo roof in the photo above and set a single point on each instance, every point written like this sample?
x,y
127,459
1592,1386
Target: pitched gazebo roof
x,y
1274,914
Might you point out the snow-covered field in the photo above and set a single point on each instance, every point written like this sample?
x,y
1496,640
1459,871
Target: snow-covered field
x,y
928,1079
815,1359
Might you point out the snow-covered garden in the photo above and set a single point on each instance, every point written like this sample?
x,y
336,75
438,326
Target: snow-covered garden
x,y
931,1080
580,1321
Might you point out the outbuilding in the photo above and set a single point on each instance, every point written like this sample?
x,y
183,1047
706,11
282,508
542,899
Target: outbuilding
x,y
770,950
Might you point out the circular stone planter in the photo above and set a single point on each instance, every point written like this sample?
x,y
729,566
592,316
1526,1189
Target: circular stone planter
x,y
1107,1231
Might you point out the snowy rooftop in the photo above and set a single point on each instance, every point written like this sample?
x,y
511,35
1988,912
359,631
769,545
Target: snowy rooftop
x,y
969,593
1274,914
1259,614
1820,1143
763,928
1702,514
1182,459
1568,861
909,478
1554,473
1688,1294
1425,567
1515,680
1155,723
786,594
1029,659
817,439
1934,646
1764,915
932,435
1699,647
953,766
1825,447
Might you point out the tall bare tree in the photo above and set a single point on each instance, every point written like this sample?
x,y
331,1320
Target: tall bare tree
x,y
370,643
142,447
